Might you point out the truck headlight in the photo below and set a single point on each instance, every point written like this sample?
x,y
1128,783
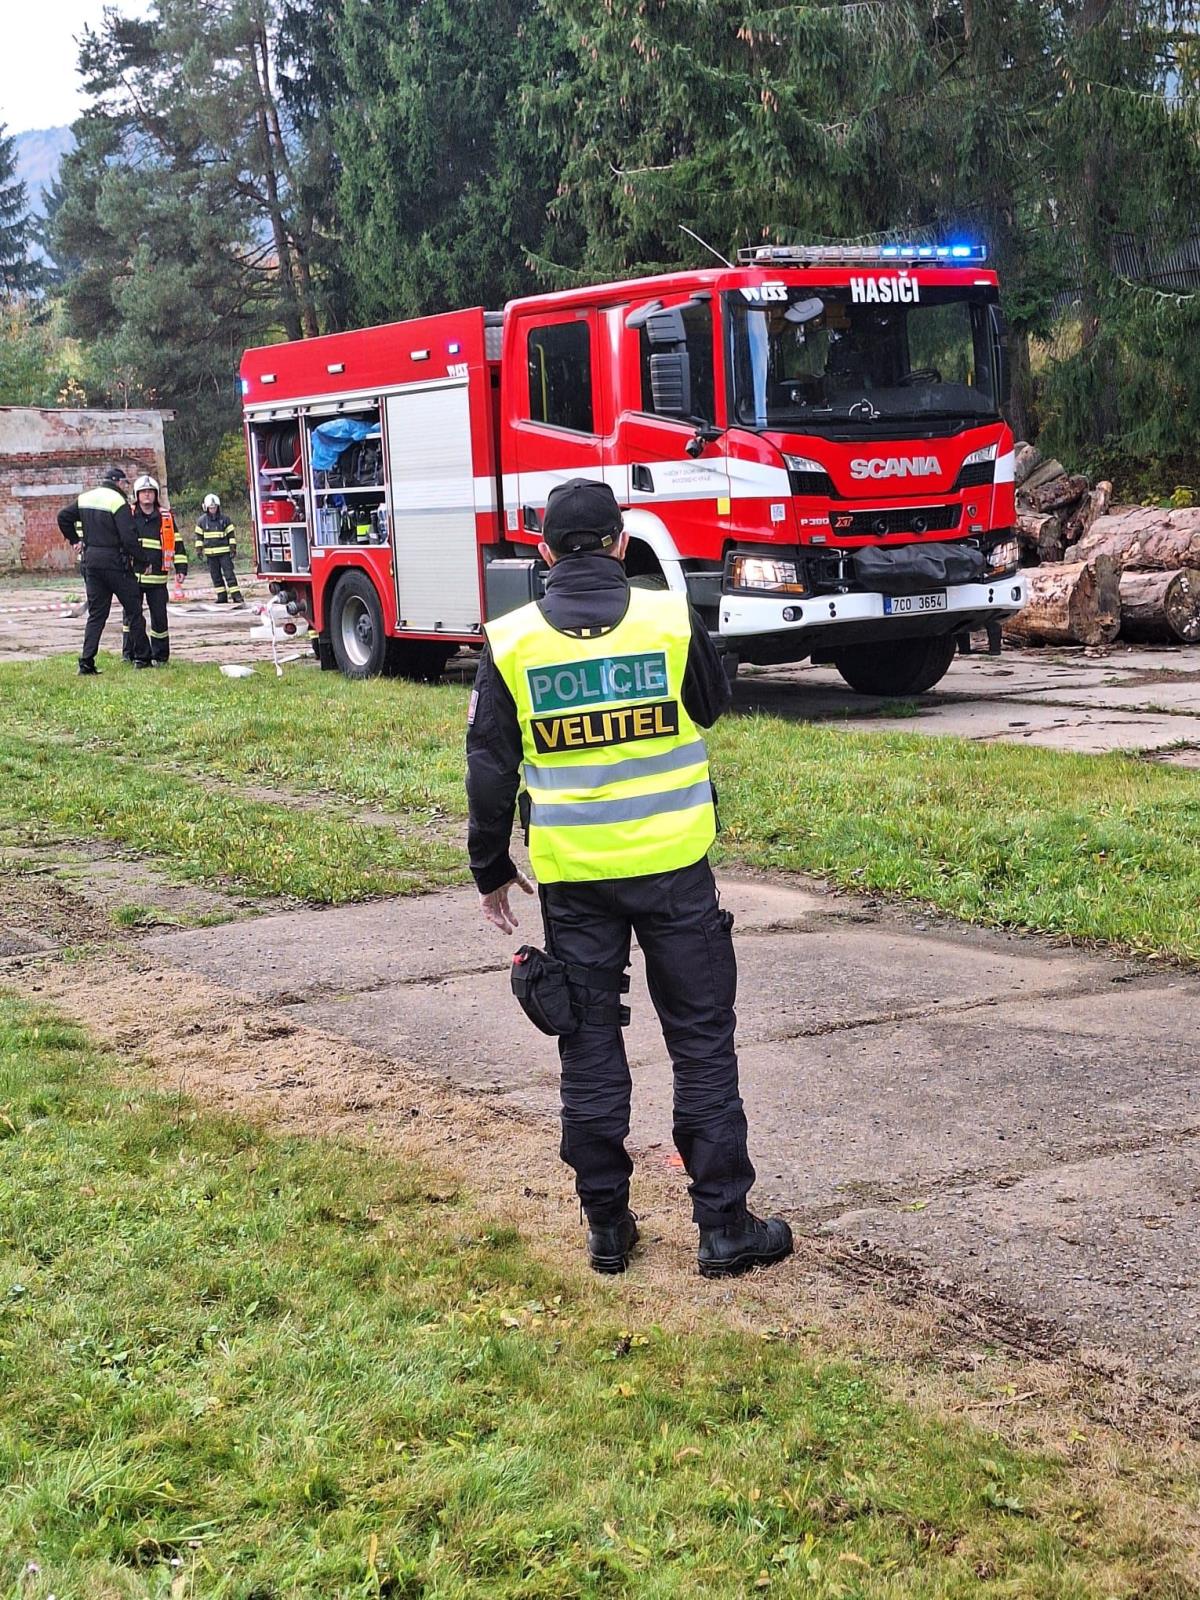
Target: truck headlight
x,y
764,572
986,452
802,464
1003,558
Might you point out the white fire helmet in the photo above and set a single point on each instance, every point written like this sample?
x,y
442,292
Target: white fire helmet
x,y
145,482
212,502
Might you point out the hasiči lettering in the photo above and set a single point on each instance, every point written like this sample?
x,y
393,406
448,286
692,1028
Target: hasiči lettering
x,y
886,291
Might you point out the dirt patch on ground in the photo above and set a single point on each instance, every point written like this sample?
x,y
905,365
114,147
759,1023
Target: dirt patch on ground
x,y
39,909
54,894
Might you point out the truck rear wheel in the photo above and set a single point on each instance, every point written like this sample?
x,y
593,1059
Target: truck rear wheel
x,y
907,666
356,627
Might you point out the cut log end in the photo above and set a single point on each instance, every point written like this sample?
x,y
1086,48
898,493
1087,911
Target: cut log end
x,y
1076,602
1161,607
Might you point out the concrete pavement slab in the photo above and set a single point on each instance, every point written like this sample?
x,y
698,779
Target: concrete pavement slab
x,y
790,984
1056,727
1105,1247
885,1065
294,954
1172,694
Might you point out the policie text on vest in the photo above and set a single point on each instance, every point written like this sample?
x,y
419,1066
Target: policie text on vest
x,y
578,684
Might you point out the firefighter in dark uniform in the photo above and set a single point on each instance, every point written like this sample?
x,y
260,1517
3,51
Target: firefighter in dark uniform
x,y
216,543
101,521
595,696
152,575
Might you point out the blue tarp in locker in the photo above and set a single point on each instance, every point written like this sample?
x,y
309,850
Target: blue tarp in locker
x,y
331,438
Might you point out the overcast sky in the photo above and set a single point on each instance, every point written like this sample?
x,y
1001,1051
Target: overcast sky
x,y
39,83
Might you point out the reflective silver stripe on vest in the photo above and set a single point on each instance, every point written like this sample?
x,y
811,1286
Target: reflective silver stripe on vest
x,y
684,755
556,814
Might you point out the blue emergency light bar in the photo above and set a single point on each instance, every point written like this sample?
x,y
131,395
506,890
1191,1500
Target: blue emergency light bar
x,y
849,255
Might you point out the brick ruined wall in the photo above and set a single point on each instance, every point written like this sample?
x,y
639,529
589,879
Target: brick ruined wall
x,y
47,458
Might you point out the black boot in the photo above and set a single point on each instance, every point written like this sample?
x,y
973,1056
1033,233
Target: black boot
x,y
88,669
748,1242
609,1243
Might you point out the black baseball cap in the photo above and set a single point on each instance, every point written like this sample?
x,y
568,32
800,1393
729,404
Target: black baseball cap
x,y
116,475
581,514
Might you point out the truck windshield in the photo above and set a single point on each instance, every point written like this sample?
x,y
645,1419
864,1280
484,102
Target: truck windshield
x,y
819,357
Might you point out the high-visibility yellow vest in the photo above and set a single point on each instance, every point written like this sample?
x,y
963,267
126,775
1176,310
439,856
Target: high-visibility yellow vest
x,y
615,769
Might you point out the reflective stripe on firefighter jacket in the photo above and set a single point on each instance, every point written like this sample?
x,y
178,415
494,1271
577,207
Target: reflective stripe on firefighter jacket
x,y
615,770
214,537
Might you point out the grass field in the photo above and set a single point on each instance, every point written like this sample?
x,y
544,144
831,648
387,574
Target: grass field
x,y
1084,847
250,1367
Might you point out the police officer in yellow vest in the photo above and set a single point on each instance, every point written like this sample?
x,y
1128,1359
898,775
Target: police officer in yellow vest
x,y
591,702
101,522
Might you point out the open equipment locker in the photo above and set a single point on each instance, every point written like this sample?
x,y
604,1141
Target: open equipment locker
x,y
406,594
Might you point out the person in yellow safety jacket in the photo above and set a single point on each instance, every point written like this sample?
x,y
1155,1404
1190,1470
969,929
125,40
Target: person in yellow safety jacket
x,y
150,519
594,697
216,543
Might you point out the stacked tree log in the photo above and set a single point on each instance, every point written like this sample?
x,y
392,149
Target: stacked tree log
x,y
1055,508
1096,574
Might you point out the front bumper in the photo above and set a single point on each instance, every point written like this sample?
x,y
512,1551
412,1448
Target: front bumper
x,y
751,616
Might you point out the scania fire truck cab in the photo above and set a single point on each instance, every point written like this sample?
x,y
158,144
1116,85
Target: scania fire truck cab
x,y
810,444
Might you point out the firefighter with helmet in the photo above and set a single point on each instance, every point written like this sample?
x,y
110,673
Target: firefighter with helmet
x,y
216,543
595,696
149,518
101,522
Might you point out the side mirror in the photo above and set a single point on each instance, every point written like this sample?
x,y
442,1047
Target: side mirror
x,y
706,433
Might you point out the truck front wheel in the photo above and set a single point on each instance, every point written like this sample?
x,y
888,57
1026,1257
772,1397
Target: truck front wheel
x,y
356,627
907,666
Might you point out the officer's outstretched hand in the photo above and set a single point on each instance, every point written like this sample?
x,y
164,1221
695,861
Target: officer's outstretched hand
x,y
495,908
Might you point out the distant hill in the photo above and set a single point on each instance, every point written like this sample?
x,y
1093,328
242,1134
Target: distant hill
x,y
38,154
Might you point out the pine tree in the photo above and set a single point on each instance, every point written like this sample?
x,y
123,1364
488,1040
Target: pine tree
x,y
18,274
181,211
444,182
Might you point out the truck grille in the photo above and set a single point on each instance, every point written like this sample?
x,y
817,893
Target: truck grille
x,y
898,519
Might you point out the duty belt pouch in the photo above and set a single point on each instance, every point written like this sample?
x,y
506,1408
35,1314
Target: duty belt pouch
x,y
543,987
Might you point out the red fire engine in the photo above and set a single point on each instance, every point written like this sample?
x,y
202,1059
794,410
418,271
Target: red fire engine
x,y
809,444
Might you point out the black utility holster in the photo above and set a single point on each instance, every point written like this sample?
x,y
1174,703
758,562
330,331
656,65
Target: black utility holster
x,y
546,990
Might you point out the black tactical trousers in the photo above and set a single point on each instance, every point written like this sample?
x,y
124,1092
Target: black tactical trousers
x,y
692,973
224,578
103,584
160,638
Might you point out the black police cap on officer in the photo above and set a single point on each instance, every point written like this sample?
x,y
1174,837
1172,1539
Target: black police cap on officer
x,y
581,515
116,475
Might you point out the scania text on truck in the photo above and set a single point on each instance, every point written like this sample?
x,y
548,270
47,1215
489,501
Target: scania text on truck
x,y
810,445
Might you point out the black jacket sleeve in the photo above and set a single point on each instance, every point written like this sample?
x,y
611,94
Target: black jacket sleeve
x,y
493,777
68,519
128,535
706,691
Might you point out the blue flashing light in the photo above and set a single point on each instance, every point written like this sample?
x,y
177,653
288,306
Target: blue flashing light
x,y
245,386
890,250
960,252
